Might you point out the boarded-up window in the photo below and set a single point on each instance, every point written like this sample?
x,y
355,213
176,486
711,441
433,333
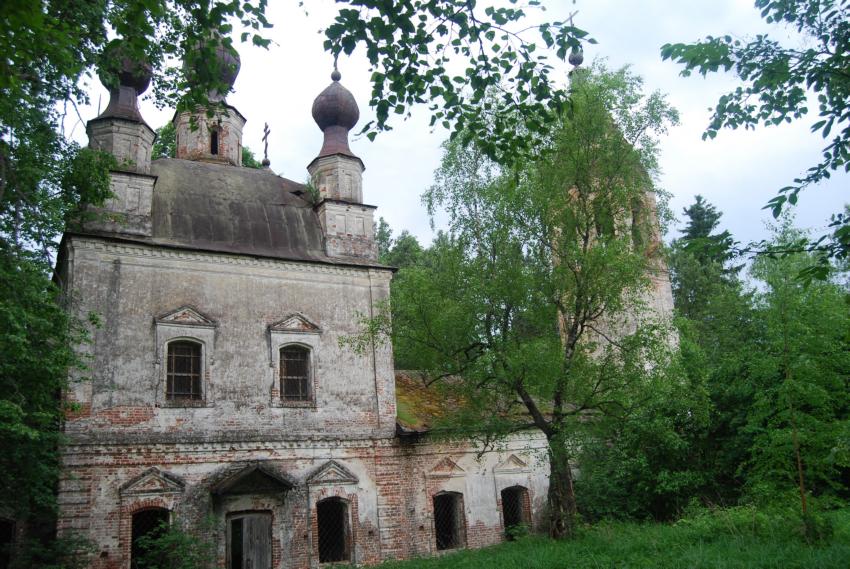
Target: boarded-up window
x,y
146,523
449,523
183,377
249,540
515,506
334,531
295,373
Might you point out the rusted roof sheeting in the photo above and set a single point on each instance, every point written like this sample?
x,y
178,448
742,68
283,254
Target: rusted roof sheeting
x,y
228,209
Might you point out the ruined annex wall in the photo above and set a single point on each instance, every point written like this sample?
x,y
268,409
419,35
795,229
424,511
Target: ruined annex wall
x,y
388,484
233,301
432,468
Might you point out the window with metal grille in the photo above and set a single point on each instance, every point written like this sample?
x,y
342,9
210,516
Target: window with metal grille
x,y
449,523
150,523
334,531
295,373
183,375
515,509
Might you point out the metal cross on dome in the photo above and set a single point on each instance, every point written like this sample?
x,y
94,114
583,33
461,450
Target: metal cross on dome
x,y
265,139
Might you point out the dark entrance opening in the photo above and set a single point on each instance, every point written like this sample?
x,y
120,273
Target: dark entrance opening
x,y
150,523
334,540
7,541
448,520
514,509
249,540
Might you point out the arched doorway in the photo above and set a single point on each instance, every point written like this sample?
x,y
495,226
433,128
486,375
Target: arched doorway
x,y
515,510
334,530
449,520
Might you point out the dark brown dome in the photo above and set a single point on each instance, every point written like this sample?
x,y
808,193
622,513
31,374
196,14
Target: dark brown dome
x,y
117,66
335,106
126,78
224,67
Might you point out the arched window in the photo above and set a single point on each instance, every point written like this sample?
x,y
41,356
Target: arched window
x,y
449,520
334,530
214,142
183,373
148,523
515,509
295,373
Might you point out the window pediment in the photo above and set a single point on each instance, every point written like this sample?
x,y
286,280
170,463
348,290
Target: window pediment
x,y
446,468
332,472
153,481
297,323
512,465
254,479
186,316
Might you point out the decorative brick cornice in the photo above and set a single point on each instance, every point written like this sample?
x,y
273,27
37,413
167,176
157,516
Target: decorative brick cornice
x,y
165,251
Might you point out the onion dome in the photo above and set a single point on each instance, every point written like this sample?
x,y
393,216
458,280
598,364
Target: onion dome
x,y
576,57
126,78
336,113
220,67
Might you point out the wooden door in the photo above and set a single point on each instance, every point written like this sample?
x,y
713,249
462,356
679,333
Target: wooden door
x,y
249,541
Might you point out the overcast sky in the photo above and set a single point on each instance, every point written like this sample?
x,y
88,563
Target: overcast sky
x,y
739,171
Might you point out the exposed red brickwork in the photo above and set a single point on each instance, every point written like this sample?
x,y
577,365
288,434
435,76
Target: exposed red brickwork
x,y
124,416
390,507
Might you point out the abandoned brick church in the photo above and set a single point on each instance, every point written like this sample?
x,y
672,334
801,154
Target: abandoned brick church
x,y
218,389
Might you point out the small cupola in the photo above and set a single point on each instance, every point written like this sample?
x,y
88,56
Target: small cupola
x,y
217,136
120,128
337,172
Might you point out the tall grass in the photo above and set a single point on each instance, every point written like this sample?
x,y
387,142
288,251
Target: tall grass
x,y
735,538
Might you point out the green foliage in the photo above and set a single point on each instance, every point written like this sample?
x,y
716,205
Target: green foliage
x,y
647,466
37,344
383,237
532,301
709,539
404,252
65,552
249,160
800,374
172,547
412,45
165,145
775,81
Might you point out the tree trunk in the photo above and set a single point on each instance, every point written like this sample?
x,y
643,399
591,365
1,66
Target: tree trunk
x,y
561,498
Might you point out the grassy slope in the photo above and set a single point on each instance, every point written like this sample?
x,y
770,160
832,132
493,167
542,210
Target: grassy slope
x,y
752,540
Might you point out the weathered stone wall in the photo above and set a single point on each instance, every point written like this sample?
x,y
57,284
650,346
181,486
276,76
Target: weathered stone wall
x,y
128,448
193,132
390,492
128,211
338,177
129,286
129,141
349,229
